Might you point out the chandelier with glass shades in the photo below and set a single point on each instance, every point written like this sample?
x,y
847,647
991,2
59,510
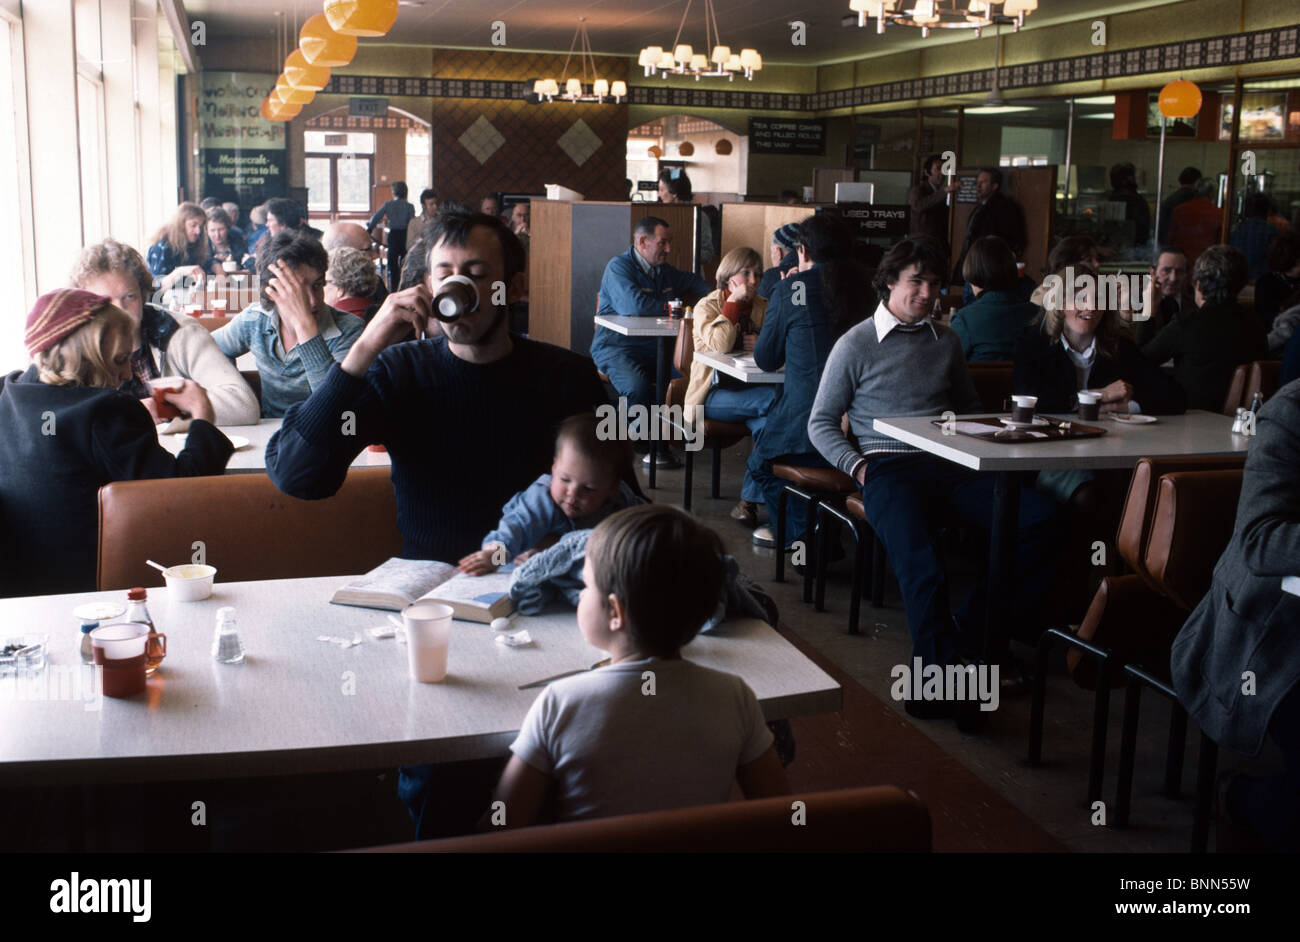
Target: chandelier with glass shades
x,y
943,14
684,60
576,89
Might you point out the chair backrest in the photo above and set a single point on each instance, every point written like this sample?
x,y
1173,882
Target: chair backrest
x,y
879,819
684,351
1262,376
254,380
992,381
248,528
1139,506
1192,524
1237,390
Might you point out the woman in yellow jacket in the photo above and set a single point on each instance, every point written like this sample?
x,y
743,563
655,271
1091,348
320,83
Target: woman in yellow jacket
x,y
728,321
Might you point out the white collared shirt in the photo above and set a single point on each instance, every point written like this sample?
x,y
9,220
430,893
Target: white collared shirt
x,y
1082,361
886,321
645,266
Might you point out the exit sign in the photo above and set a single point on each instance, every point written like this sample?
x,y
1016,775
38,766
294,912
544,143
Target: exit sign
x,y
367,107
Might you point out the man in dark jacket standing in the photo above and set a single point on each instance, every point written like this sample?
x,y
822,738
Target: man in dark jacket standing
x,y
996,214
1236,663
928,201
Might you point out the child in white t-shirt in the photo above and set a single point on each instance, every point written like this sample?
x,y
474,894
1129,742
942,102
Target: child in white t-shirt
x,y
650,731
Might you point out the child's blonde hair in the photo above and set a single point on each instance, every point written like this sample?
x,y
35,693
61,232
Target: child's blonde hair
x,y
83,358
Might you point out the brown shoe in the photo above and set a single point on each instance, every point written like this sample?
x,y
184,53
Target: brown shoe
x,y
746,512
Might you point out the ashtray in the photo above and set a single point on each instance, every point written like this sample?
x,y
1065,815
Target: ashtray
x,y
22,653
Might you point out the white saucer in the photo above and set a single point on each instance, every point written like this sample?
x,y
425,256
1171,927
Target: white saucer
x,y
1039,421
1134,418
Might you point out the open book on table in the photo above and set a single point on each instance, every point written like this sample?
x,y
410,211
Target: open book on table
x,y
401,582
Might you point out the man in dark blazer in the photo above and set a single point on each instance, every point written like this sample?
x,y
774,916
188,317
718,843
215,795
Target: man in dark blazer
x,y
1236,662
997,214
928,201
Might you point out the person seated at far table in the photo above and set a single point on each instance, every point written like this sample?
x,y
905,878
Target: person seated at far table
x,y
589,746
640,283
1168,293
728,320
226,247
1207,344
180,248
68,431
989,325
783,257
587,483
900,363
164,344
293,335
350,281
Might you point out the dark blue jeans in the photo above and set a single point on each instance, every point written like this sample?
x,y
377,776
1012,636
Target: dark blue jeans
x,y
630,363
906,498
760,474
1270,807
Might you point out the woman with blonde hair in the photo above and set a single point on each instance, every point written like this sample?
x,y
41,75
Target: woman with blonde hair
x,y
728,320
68,431
180,247
164,344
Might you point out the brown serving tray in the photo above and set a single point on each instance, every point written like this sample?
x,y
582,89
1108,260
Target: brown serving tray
x,y
991,429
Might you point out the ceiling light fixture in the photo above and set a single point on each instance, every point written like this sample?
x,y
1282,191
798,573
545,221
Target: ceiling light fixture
x,y
575,89
684,60
943,14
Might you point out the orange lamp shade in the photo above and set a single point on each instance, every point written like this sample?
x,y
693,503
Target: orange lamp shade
x,y
1180,99
299,73
269,109
655,152
321,46
289,95
722,148
273,110
686,148
361,17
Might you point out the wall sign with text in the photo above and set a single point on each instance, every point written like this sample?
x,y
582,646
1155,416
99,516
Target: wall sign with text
x,y
875,220
787,136
241,155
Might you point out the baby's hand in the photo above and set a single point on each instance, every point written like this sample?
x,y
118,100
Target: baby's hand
x,y
524,557
480,563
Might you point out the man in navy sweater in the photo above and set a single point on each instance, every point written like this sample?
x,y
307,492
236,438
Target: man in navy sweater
x,y
469,418
639,283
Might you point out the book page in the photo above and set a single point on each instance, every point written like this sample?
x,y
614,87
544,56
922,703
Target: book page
x,y
479,591
405,578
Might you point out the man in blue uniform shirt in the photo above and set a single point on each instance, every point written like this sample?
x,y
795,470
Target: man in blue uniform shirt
x,y
639,283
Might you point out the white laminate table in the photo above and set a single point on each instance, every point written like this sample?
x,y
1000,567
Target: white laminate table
x,y
1193,434
741,367
300,705
664,329
252,459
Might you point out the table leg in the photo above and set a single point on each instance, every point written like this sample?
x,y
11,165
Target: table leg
x,y
661,394
1002,562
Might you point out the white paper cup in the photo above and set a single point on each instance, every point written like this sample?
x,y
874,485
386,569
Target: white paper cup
x,y
191,583
428,636
1025,402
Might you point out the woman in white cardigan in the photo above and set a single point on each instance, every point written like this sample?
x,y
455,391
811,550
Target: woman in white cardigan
x,y
165,344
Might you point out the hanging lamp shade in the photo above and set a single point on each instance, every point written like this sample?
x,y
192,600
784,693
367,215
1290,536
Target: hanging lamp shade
x,y
722,148
650,56
273,110
655,152
322,46
683,53
618,89
299,73
361,17
600,88
720,55
750,59
287,94
1180,99
666,61
686,148
699,62
573,88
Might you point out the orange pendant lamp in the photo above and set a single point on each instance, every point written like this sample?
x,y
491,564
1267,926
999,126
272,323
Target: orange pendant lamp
x,y
287,94
322,46
361,17
273,110
299,73
1180,99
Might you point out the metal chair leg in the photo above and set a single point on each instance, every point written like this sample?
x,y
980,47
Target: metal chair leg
x,y
1206,767
1175,751
1100,717
716,491
1127,750
689,480
823,554
855,590
878,558
780,536
809,526
1038,700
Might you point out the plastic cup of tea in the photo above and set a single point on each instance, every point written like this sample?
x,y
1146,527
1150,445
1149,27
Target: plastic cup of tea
x,y
1022,408
122,650
1089,405
428,636
158,388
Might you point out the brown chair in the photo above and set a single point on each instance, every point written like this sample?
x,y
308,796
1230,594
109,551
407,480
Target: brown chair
x,y
249,530
992,381
254,380
1192,525
1262,377
855,517
1131,619
717,435
878,819
812,486
1237,397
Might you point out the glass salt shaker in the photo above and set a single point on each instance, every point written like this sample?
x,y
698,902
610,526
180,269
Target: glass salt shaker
x,y
226,644
87,646
1239,422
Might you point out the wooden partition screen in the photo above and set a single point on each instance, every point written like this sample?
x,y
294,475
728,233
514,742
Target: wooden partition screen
x,y
752,224
571,243
1033,188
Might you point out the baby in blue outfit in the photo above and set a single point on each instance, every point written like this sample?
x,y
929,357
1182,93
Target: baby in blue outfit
x,y
586,485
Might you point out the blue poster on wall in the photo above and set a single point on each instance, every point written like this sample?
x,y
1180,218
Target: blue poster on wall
x,y
242,156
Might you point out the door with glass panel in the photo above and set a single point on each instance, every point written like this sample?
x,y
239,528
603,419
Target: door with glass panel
x,y
340,170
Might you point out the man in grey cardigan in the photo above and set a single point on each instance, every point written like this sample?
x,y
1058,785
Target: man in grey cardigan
x,y
898,363
1236,663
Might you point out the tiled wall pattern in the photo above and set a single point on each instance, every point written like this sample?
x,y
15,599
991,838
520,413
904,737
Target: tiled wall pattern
x,y
500,75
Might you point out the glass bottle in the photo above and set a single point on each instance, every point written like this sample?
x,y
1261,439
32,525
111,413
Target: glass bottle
x,y
226,644
137,610
87,647
1239,422
1257,402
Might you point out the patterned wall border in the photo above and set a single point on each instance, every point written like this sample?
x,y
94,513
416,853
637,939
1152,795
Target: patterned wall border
x,y
1264,45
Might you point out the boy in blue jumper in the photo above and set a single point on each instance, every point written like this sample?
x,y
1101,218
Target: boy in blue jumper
x,y
587,483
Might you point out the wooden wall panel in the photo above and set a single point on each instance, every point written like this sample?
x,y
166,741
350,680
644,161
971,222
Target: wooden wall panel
x,y
549,263
752,224
1033,188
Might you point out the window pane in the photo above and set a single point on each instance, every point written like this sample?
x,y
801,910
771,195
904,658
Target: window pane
x,y
13,353
91,138
354,184
318,184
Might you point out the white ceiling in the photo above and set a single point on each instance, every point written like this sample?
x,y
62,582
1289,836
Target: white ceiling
x,y
624,26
